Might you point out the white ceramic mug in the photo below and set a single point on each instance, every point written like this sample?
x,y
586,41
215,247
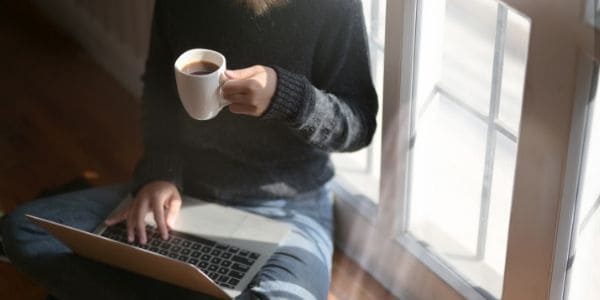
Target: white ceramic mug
x,y
201,95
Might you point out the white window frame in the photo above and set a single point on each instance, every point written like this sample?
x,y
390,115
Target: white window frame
x,y
567,231
535,253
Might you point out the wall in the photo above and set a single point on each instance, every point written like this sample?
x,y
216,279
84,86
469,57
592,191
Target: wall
x,y
116,33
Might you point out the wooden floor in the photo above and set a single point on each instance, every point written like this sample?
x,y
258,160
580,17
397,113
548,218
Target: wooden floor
x,y
62,117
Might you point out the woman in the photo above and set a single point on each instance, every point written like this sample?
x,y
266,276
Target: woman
x,y
300,88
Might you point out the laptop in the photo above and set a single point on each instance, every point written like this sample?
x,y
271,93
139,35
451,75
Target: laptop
x,y
212,249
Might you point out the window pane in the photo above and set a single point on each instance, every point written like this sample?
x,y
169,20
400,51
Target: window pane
x,y
359,171
584,274
513,74
471,58
500,202
468,51
444,211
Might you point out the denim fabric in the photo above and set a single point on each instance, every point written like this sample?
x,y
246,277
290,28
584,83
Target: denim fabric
x,y
299,269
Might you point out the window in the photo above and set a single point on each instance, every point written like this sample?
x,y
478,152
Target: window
x,y
592,13
359,171
476,131
583,279
471,57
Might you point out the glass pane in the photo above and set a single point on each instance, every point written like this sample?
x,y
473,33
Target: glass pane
x,y
496,238
471,58
359,171
433,193
513,74
592,12
468,51
584,274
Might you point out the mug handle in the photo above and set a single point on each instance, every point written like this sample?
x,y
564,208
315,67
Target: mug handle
x,y
222,101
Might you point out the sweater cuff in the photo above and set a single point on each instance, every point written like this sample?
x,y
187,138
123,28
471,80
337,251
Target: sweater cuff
x,y
165,167
289,96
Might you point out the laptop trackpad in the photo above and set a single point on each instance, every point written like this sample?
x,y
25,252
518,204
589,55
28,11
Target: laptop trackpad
x,y
225,223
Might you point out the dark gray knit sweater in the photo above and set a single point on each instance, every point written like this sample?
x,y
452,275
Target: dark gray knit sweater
x,y
324,100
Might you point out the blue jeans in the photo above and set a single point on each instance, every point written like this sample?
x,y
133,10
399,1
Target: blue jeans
x,y
299,269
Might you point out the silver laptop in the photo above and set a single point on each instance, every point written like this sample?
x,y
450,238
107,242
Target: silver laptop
x,y
212,249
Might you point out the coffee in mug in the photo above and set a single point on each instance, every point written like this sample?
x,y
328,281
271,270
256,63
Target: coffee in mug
x,y
200,74
200,68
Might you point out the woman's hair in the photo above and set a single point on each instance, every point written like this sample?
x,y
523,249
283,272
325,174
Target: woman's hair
x,y
260,7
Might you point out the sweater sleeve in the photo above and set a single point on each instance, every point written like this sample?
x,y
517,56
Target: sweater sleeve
x,y
335,110
160,112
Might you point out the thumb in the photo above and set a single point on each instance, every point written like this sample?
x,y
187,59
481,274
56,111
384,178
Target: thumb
x,y
240,73
116,218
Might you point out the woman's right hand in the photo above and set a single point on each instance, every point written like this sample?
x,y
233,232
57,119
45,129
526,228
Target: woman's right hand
x,y
159,197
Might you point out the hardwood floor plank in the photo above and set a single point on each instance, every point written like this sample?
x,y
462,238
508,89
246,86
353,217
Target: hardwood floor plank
x,y
15,286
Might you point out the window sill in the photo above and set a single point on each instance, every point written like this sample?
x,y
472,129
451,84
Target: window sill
x,y
363,205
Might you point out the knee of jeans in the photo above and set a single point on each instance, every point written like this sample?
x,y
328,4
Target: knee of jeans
x,y
19,235
292,273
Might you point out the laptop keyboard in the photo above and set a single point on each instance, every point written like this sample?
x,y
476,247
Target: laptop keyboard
x,y
225,264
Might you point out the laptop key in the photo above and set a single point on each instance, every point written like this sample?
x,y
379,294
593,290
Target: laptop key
x,y
206,249
226,255
221,247
243,260
193,261
215,252
196,246
205,257
225,263
223,270
203,265
234,250
186,251
213,268
244,253
213,275
254,255
215,260
196,254
240,267
206,242
236,274
186,244
176,249
233,281
223,279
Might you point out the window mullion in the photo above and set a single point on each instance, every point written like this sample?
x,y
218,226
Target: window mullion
x,y
496,91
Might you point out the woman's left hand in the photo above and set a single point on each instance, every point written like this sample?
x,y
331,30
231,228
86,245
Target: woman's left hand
x,y
250,90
